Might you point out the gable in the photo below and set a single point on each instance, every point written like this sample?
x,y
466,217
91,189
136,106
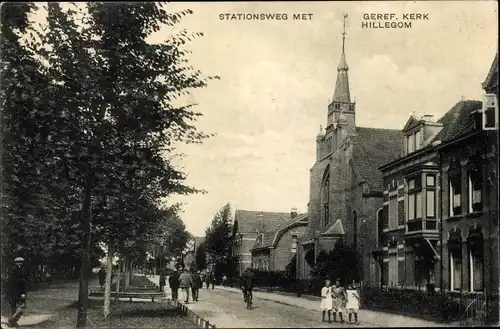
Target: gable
x,y
412,122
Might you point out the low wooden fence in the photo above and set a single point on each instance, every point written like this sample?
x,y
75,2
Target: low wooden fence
x,y
193,317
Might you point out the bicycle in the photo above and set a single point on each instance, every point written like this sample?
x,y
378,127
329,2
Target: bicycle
x,y
247,296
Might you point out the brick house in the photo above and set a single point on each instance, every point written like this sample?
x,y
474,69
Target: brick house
x,y
345,183
439,222
274,250
247,225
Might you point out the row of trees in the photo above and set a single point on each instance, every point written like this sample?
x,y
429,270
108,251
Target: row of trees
x,y
89,124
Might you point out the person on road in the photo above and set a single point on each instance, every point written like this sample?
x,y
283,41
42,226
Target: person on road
x,y
339,301
352,305
185,283
162,281
197,284
224,280
102,277
210,280
246,284
16,292
173,281
326,301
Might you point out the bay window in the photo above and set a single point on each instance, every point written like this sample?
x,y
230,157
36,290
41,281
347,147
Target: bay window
x,y
414,210
455,194
475,200
430,201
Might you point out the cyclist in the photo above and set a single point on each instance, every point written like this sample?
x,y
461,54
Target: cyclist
x,y
246,284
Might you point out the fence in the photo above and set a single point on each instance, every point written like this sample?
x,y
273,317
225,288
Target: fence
x,y
464,307
193,317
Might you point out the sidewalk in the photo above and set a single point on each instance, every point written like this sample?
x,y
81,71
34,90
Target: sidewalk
x,y
368,317
374,318
44,302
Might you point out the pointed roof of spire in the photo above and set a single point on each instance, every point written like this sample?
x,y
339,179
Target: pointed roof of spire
x,y
342,93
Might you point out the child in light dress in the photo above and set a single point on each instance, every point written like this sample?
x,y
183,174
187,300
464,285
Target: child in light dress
x,y
326,300
352,305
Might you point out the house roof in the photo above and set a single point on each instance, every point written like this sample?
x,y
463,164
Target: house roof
x,y
336,229
373,147
269,239
491,82
457,120
249,221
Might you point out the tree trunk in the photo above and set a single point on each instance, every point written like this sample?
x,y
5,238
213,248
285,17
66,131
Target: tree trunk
x,y
86,222
125,274
130,270
118,277
107,289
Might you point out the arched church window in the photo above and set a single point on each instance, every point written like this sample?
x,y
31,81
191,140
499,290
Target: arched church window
x,y
326,201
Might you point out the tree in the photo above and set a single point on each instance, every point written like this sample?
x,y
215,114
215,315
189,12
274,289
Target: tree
x,y
218,243
97,131
201,257
338,263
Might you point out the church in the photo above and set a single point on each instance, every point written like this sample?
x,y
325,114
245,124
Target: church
x,y
345,184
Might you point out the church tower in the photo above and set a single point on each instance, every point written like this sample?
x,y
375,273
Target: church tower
x,y
341,111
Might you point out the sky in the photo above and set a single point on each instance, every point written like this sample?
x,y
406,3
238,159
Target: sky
x,y
277,78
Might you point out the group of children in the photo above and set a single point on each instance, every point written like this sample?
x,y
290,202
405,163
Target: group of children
x,y
335,299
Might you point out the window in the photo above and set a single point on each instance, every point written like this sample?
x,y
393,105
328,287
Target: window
x,y
414,141
411,143
456,269
490,112
385,273
393,212
430,200
380,221
418,139
401,213
476,263
393,268
455,195
414,199
401,269
326,202
475,190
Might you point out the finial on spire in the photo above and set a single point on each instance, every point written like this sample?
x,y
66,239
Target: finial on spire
x,y
343,34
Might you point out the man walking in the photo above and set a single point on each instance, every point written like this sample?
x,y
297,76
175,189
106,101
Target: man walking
x,y
185,283
16,292
173,282
102,277
197,283
162,281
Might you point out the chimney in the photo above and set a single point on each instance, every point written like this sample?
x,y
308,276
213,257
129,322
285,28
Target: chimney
x,y
293,213
428,118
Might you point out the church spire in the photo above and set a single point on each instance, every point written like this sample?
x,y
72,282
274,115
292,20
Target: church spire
x,y
342,93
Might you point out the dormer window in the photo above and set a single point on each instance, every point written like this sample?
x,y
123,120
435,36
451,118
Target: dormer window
x,y
414,141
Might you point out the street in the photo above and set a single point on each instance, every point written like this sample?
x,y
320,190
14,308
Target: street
x,y
225,308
